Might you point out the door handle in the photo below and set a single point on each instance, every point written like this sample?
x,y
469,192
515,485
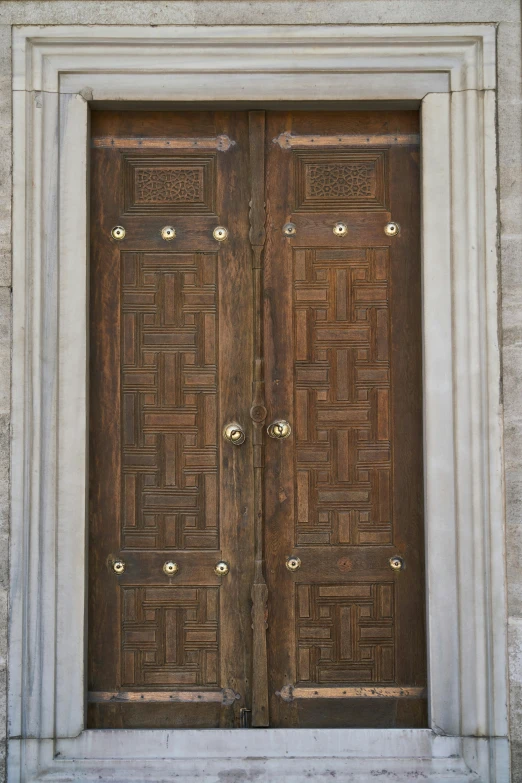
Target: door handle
x,y
279,429
234,433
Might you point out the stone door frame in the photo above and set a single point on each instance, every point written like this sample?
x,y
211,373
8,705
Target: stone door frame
x,y
449,70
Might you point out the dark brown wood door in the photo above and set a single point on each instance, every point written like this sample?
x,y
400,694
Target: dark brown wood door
x,y
170,362
189,333
343,366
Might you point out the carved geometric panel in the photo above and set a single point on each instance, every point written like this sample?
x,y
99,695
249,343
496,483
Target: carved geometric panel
x,y
169,401
345,633
342,397
166,185
170,636
327,181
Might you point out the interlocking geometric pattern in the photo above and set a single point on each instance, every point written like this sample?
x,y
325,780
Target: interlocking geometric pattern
x,y
169,401
170,637
169,184
327,181
345,633
342,397
331,181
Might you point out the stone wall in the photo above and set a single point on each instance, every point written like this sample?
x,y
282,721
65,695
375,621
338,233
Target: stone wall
x,y
506,13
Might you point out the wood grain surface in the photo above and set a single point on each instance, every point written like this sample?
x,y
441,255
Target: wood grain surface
x,y
171,363
343,366
189,334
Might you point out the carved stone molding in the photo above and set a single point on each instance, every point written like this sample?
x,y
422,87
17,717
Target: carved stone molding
x,y
58,71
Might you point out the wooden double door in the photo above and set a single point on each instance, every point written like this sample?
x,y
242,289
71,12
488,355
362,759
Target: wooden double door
x,y
259,270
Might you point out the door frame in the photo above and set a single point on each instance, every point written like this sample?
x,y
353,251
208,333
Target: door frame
x,y
449,70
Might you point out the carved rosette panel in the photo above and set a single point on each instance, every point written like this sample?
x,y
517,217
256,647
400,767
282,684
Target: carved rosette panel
x,y
172,185
345,633
342,397
169,401
169,185
327,181
170,637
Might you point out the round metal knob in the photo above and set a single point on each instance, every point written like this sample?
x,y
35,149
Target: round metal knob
x,y
234,433
118,233
222,568
392,229
279,429
118,566
397,563
168,233
170,568
289,229
220,233
340,229
293,563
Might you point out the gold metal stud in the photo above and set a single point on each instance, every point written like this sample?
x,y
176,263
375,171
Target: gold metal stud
x,y
222,568
118,233
170,568
168,233
234,433
220,233
279,429
118,566
340,229
397,563
290,229
392,229
293,563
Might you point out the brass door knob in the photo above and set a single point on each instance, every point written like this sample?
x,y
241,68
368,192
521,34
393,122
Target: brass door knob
x,y
397,563
293,563
392,229
168,233
170,568
118,566
279,429
234,433
222,568
220,233
118,233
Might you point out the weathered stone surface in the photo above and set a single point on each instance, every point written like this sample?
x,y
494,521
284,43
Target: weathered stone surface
x,y
4,541
510,202
515,650
5,350
259,12
510,147
5,155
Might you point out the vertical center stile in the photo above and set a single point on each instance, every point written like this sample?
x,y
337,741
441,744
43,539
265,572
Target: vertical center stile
x,y
257,234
